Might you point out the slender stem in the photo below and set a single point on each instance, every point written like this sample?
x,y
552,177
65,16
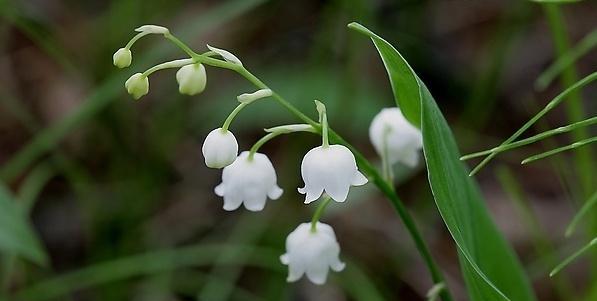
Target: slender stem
x,y
320,209
573,257
582,212
167,65
385,158
554,102
559,150
261,142
364,165
135,39
541,136
180,44
233,114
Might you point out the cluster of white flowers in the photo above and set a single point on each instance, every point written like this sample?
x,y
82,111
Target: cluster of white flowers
x,y
249,179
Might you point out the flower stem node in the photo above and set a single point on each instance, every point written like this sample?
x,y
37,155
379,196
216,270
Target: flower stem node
x,y
251,97
122,58
248,181
226,55
191,79
332,169
219,148
312,253
394,138
137,85
152,29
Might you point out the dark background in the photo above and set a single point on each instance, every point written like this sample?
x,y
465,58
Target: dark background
x,y
119,177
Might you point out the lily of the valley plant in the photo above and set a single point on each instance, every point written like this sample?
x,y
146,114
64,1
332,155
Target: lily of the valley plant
x,y
249,179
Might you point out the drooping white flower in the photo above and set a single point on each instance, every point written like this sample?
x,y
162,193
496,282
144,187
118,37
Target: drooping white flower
x,y
137,85
248,181
219,148
330,168
395,137
312,253
226,55
191,79
153,29
122,58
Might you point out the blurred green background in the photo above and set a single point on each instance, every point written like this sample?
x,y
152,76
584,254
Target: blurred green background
x,y
108,178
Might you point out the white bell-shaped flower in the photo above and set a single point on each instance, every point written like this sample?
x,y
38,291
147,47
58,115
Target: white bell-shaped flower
x,y
395,138
248,181
332,169
122,58
137,85
219,148
191,79
312,253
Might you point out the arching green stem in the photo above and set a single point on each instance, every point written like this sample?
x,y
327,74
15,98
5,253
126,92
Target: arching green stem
x,y
559,150
135,39
279,130
168,65
364,166
230,117
323,120
319,211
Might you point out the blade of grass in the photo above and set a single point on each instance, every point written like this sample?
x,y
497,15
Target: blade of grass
x,y
559,150
540,240
582,212
572,257
582,48
574,107
538,137
145,264
553,103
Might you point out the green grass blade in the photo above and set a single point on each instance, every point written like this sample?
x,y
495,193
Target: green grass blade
x,y
559,150
572,257
149,263
553,103
582,48
16,234
538,137
490,267
592,201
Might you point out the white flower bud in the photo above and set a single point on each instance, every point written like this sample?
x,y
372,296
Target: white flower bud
x,y
122,58
312,253
137,85
226,55
219,149
249,182
333,169
153,29
191,79
393,136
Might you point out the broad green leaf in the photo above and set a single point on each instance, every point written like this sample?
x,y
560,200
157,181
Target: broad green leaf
x,y
402,78
16,234
491,269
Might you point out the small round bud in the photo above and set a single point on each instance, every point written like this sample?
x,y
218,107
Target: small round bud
x,y
122,58
137,85
191,79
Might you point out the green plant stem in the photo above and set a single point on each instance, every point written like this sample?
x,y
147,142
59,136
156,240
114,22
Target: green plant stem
x,y
552,152
541,136
364,165
231,116
573,257
582,212
276,131
574,107
319,212
261,142
167,65
553,103
135,39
